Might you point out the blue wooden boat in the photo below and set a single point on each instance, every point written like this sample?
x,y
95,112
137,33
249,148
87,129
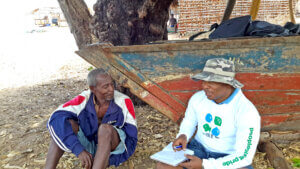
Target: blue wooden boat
x,y
159,74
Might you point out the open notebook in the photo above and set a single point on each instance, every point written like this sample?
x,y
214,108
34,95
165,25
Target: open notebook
x,y
168,156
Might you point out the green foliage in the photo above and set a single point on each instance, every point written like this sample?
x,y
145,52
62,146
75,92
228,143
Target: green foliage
x,y
296,162
90,68
270,168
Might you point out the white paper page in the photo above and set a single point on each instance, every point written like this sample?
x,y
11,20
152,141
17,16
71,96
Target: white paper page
x,y
168,156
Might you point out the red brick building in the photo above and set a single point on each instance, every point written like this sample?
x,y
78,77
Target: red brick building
x,y
199,15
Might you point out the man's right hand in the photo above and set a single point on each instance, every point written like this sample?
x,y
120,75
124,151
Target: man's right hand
x,y
86,159
181,140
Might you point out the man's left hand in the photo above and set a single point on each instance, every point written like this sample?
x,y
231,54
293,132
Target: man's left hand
x,y
193,163
86,159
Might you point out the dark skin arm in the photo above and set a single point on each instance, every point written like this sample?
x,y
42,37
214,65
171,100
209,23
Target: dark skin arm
x,y
85,157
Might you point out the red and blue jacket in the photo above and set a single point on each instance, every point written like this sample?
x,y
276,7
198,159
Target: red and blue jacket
x,y
120,114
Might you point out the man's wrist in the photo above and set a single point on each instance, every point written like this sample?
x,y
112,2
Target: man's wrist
x,y
78,148
181,135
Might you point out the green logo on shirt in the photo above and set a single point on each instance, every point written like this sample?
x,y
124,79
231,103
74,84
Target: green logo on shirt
x,y
207,128
218,121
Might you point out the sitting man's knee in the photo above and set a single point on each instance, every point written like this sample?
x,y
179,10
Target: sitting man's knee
x,y
105,130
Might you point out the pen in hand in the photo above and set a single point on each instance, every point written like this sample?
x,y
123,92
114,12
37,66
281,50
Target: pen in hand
x,y
178,147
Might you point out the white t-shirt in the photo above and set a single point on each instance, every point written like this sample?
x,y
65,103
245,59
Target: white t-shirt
x,y
231,127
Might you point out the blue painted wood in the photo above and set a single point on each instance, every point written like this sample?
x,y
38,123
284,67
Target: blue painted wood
x,y
263,59
145,69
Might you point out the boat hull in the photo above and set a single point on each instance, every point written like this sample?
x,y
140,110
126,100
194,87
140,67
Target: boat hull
x,y
159,74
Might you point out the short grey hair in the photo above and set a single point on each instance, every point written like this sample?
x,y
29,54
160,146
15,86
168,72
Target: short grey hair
x,y
92,76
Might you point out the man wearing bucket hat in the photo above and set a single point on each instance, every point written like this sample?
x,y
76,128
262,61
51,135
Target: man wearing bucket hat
x,y
227,123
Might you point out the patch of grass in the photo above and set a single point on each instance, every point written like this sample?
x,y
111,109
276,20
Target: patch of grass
x,y
296,162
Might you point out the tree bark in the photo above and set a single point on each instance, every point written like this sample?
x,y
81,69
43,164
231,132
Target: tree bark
x,y
119,22
274,155
123,22
78,18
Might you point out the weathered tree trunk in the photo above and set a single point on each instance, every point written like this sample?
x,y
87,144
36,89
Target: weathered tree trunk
x,y
274,155
123,22
119,22
78,18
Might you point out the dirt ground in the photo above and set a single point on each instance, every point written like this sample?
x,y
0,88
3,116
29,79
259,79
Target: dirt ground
x,y
24,137
24,111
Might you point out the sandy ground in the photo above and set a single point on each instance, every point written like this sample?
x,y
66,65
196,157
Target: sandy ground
x,y
44,72
39,74
45,54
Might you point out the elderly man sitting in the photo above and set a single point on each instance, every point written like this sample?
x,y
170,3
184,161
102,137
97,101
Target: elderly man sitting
x,y
228,123
98,126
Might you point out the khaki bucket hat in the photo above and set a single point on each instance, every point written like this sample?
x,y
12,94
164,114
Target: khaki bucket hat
x,y
219,70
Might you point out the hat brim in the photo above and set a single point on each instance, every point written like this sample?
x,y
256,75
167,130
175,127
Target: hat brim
x,y
207,76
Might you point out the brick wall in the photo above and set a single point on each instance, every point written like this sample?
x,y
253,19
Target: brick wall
x,y
199,15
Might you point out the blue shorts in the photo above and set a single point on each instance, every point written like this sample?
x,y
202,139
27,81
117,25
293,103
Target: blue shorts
x,y
202,153
91,147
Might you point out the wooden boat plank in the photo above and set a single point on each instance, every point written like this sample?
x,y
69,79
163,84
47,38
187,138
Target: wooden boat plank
x,y
259,98
252,81
278,109
259,60
277,119
144,82
209,44
269,98
160,74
